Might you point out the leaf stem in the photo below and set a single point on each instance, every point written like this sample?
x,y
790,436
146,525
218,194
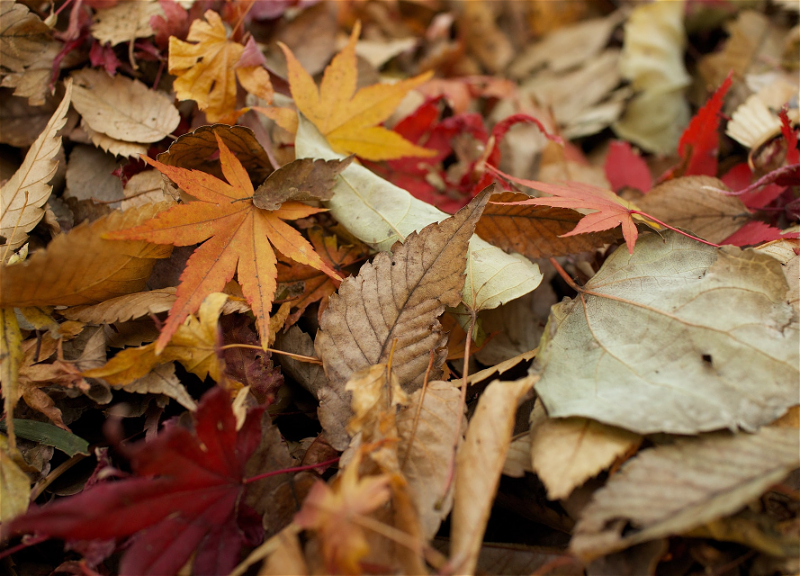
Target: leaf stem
x,y
565,276
290,470
665,225
300,357
419,410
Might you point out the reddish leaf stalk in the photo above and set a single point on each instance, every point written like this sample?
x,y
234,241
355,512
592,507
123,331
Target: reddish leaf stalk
x,y
290,470
300,357
665,225
419,410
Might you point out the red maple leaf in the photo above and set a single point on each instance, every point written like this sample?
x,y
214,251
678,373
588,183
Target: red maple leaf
x,y
184,497
624,168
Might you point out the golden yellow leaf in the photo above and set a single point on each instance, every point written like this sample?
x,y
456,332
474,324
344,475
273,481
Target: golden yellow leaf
x,y
206,71
348,119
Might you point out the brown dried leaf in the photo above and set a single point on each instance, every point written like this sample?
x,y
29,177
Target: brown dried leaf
x,y
112,145
125,22
534,230
122,108
478,467
425,454
162,380
303,179
567,452
687,203
81,267
23,196
399,297
672,489
24,36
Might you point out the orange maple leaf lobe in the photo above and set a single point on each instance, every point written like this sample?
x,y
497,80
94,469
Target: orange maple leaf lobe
x,y
237,237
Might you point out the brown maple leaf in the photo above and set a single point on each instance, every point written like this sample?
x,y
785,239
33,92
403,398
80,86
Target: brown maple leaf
x,y
240,236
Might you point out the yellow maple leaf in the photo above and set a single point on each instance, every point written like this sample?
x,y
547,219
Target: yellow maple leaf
x,y
207,71
348,119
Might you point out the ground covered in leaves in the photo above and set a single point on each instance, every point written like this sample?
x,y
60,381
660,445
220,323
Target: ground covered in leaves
x,y
399,287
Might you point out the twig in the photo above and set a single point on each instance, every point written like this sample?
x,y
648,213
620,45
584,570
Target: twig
x,y
300,357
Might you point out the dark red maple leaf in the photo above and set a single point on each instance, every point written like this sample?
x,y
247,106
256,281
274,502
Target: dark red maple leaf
x,y
624,168
184,497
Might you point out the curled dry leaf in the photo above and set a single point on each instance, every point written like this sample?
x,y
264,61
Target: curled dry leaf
x,y
478,467
679,337
81,267
671,489
302,180
380,214
121,108
567,452
125,22
399,296
23,196
688,204
426,447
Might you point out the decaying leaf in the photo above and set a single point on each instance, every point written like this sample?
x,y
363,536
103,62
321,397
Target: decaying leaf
x,y
567,452
671,489
24,37
121,108
23,196
398,297
81,267
380,214
301,180
479,465
346,118
426,447
678,337
15,486
693,203
125,22
162,380
11,358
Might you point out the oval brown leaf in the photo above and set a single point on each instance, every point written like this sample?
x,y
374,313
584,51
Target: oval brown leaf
x,y
399,296
303,179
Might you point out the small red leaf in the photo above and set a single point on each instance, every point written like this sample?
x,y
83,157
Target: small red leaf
x,y
790,137
753,233
626,169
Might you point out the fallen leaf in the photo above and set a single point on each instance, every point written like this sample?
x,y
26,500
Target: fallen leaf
x,y
399,297
121,108
478,468
482,37
346,118
626,169
125,22
24,37
240,236
90,176
699,143
81,267
15,486
610,210
24,194
784,252
162,380
317,286
678,337
693,203
193,344
301,180
192,500
652,60
426,447
535,231
752,233
328,511
206,71
11,359
674,488
567,452
380,214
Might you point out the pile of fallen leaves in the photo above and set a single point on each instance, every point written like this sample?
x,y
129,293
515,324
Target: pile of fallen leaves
x,y
410,287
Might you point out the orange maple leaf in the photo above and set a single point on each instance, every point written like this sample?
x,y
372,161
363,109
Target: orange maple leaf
x,y
318,286
348,119
611,210
239,236
207,71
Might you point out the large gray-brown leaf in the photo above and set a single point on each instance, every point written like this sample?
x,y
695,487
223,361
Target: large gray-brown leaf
x,y
426,447
479,465
399,296
689,203
672,489
678,337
